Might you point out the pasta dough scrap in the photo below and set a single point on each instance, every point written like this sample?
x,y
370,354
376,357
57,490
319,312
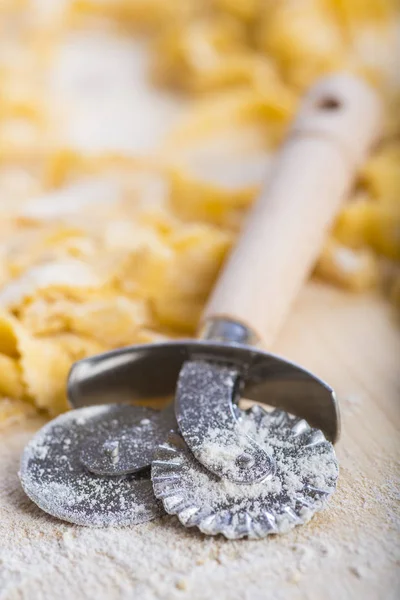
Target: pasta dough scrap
x,y
11,384
179,314
78,347
199,253
13,411
44,364
304,38
107,320
228,110
208,202
63,275
354,269
353,225
381,174
112,322
9,331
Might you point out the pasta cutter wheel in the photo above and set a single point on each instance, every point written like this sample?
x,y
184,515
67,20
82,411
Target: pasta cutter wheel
x,y
303,477
253,473
117,442
272,470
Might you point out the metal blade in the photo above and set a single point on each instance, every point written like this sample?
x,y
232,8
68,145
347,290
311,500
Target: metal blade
x,y
203,408
54,477
123,439
305,476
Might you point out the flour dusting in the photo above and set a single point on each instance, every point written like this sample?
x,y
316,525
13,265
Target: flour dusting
x,y
303,475
350,550
54,477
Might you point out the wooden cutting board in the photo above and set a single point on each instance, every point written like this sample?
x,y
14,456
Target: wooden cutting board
x,y
352,550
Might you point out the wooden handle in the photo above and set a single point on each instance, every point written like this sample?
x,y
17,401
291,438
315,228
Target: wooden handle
x,y
337,124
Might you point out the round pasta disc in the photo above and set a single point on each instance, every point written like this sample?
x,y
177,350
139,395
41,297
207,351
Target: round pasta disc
x,y
53,475
304,476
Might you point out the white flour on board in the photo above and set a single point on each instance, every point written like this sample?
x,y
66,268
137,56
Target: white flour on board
x,y
41,557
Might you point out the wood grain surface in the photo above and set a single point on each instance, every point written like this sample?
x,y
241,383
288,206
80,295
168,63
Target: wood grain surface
x,y
351,550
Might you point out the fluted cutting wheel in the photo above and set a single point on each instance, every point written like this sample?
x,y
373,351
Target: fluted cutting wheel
x,y
304,475
53,475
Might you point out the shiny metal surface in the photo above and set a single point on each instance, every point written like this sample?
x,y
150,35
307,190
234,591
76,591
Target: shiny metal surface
x,y
124,438
204,402
200,499
54,477
228,331
151,371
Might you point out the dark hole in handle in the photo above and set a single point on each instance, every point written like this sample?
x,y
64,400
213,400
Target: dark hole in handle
x,y
329,103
